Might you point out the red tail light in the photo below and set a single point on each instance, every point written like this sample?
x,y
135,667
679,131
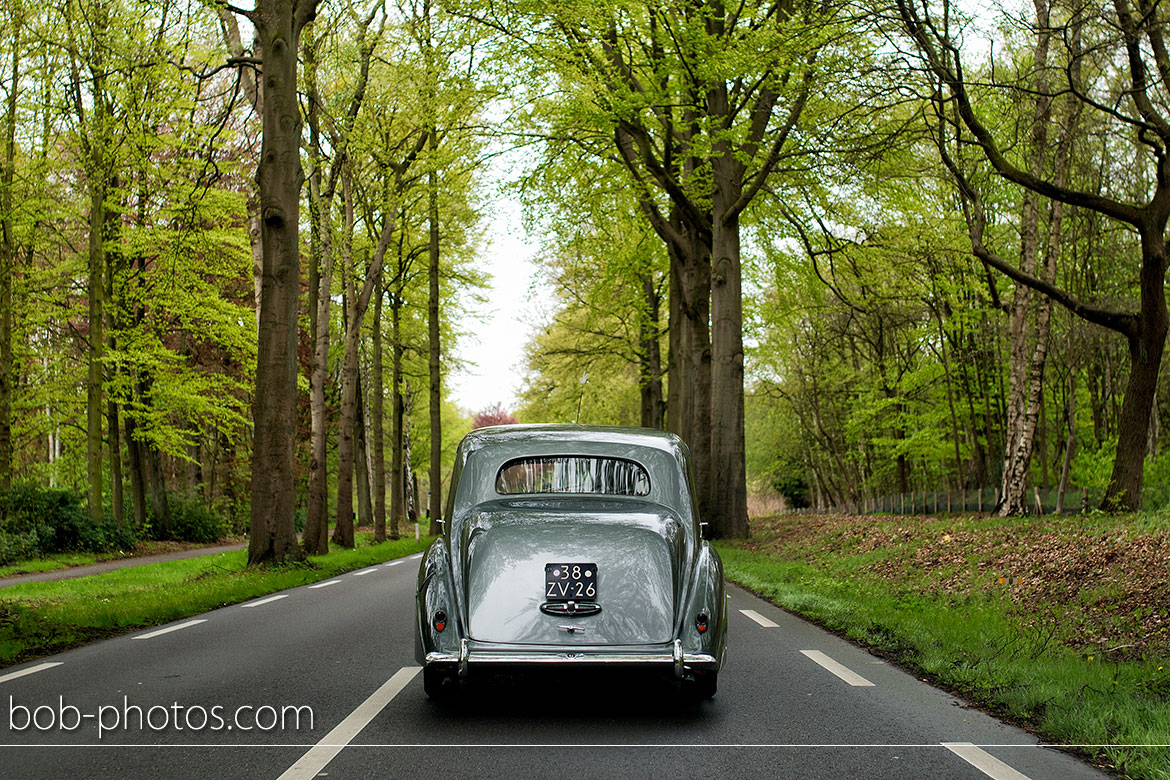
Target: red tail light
x,y
440,621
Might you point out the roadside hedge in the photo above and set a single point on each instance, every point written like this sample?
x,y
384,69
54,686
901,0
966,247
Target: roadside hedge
x,y
36,521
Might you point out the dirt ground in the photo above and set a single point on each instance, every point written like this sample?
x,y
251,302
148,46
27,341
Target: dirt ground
x,y
1104,581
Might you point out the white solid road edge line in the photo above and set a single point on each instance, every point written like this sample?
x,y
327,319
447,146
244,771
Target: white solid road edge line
x,y
845,673
343,733
756,616
983,761
268,600
30,670
324,584
169,629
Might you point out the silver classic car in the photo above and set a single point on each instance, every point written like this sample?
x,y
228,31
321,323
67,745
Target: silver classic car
x,y
575,546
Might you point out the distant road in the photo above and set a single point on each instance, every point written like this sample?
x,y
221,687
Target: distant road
x,y
794,702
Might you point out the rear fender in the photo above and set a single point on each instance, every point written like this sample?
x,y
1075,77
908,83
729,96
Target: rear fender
x,y
707,598
434,594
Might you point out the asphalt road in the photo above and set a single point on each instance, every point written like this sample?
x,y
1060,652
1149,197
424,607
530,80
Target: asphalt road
x,y
793,702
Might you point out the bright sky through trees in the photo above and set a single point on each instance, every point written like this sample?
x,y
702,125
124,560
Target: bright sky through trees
x,y
493,354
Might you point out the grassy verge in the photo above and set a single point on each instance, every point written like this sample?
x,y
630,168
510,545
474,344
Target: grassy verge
x,y
48,563
68,560
982,606
39,618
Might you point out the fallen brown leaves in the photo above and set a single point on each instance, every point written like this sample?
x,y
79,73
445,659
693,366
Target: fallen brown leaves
x,y
1100,584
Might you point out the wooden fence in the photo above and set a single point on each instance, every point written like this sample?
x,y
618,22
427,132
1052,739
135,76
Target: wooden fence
x,y
926,502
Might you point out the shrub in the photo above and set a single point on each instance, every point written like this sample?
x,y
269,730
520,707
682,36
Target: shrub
x,y
18,546
194,521
39,520
793,488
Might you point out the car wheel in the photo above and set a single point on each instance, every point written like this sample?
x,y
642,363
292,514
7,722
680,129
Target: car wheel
x,y
439,683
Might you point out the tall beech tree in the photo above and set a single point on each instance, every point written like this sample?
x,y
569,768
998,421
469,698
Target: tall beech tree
x,y
8,243
700,102
322,189
278,25
395,152
90,30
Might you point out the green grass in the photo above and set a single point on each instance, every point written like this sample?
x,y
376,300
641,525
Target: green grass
x,y
39,618
983,646
48,563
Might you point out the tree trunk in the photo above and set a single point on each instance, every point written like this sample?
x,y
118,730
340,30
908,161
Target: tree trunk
x,y
1155,430
946,363
8,263
273,537
397,477
361,475
315,537
135,449
1145,354
1070,443
94,133
676,351
137,466
356,304
693,268
377,425
159,504
650,358
1025,377
409,476
728,505
434,350
94,353
343,527
110,235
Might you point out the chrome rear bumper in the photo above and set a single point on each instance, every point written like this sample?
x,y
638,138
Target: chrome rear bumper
x,y
480,654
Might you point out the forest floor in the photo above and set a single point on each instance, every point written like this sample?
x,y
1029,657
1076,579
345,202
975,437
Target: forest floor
x,y
1058,624
1100,582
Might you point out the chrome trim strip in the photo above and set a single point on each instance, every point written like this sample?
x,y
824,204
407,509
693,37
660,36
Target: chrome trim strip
x,y
464,657
677,658
568,656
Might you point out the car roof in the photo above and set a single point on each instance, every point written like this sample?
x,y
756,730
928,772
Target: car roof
x,y
559,432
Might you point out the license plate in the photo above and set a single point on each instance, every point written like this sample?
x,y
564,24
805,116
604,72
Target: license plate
x,y
570,581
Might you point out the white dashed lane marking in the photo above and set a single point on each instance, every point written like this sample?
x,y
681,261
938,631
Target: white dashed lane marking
x,y
268,600
393,563
363,572
324,584
846,674
169,629
756,616
29,670
983,761
310,764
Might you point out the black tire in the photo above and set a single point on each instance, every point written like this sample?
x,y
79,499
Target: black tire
x,y
439,684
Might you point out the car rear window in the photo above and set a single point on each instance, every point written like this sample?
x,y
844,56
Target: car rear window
x,y
573,474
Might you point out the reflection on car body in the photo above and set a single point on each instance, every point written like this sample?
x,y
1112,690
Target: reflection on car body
x,y
575,546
